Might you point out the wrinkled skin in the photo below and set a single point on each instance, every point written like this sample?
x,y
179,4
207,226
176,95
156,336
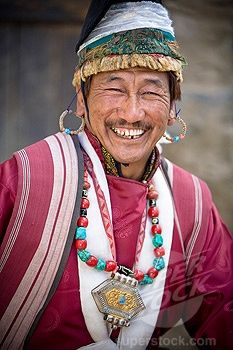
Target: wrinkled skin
x,y
129,111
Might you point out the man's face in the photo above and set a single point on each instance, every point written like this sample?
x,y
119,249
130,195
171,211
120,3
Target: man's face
x,y
129,111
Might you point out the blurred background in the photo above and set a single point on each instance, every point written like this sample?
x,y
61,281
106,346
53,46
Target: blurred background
x,y
37,62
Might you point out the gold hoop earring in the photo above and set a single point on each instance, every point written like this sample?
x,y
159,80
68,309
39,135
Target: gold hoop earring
x,y
179,137
69,131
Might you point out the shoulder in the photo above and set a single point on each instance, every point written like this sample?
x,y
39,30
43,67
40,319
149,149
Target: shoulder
x,y
187,184
9,177
40,156
10,169
8,191
197,221
192,201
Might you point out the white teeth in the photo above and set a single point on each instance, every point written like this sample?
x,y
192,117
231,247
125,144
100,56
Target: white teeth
x,y
129,133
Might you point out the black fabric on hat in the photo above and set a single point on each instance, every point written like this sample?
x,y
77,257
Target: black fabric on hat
x,y
96,12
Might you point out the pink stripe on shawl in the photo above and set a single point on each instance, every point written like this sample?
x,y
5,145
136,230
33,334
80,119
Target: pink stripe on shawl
x,y
198,238
189,193
198,218
21,211
18,261
50,240
181,193
17,320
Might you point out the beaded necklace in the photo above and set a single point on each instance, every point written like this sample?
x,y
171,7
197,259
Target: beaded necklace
x,y
118,298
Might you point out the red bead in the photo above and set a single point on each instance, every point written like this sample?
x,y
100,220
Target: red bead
x,y
156,229
160,251
92,261
153,212
139,275
80,244
110,265
152,195
86,185
82,221
85,203
152,272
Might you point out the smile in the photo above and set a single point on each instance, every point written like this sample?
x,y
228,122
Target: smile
x,y
128,133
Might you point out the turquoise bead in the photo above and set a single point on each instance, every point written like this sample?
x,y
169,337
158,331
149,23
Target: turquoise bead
x,y
67,131
176,139
146,280
159,263
122,300
157,240
80,233
101,264
84,255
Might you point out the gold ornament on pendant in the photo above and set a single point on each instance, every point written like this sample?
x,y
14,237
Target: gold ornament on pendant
x,y
118,299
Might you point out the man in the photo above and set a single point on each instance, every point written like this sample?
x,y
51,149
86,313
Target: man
x,y
105,244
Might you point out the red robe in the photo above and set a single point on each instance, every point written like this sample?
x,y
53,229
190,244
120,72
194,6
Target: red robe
x,y
201,296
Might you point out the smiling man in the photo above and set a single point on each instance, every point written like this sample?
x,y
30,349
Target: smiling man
x,y
130,109
106,244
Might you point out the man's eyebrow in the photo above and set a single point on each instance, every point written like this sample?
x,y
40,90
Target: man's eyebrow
x,y
113,77
156,82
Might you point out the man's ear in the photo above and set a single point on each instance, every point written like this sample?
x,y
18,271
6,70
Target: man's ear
x,y
172,115
80,107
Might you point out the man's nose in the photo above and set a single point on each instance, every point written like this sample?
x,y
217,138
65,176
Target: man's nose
x,y
131,110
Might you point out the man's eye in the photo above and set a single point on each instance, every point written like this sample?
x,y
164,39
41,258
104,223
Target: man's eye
x,y
150,93
115,89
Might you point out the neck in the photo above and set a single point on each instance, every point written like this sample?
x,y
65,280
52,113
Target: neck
x,y
133,171
142,170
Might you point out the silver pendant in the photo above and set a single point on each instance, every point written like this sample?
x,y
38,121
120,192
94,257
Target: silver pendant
x,y
118,299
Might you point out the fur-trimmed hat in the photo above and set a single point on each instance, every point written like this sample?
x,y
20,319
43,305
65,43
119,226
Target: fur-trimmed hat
x,y
125,34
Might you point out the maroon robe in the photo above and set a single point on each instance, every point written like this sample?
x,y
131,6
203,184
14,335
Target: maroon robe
x,y
202,296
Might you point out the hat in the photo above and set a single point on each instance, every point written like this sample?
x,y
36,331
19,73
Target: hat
x,y
125,34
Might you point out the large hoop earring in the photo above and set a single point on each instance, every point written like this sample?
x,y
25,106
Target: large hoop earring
x,y
69,131
181,136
